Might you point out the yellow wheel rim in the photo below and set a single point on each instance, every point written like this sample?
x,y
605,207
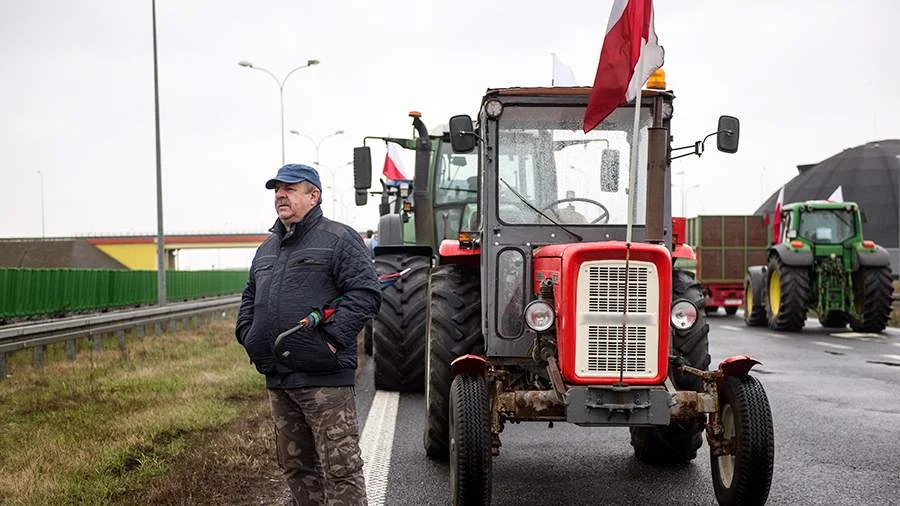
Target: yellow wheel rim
x,y
748,296
775,292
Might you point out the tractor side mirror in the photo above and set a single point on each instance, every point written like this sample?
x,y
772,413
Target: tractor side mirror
x,y
462,133
728,134
609,170
362,173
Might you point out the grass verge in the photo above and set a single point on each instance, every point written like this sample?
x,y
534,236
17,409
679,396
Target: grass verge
x,y
180,418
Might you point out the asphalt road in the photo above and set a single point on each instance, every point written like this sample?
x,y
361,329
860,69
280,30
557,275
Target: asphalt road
x,y
836,412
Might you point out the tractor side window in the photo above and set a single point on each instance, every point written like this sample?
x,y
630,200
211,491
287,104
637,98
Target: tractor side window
x,y
457,178
510,293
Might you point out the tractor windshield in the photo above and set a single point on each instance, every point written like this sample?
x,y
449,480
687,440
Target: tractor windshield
x,y
827,226
572,177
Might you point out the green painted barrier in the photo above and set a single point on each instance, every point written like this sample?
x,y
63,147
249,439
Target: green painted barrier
x,y
53,292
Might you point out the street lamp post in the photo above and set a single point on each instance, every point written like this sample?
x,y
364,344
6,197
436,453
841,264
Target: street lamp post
x,y
42,203
280,83
318,144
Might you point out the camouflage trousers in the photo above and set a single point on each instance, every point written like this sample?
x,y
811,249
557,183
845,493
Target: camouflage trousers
x,y
317,443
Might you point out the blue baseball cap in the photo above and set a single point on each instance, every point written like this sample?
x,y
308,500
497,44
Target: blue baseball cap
x,y
295,173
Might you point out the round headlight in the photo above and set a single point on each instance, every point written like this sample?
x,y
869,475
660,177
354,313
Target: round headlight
x,y
539,316
493,109
684,315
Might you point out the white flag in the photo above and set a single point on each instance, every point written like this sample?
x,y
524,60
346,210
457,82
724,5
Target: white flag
x,y
837,196
562,73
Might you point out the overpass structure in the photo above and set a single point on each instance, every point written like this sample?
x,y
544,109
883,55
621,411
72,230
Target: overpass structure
x,y
139,252
135,252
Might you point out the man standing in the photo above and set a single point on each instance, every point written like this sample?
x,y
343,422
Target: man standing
x,y
310,262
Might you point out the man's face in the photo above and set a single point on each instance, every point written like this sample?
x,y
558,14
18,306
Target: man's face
x,y
293,201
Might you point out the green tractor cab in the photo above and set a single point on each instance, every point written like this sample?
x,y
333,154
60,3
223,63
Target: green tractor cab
x,y
414,217
820,262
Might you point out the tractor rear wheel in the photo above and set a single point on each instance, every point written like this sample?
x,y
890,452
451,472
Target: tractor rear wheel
x,y
398,334
754,306
833,320
745,474
788,296
454,329
872,291
680,440
470,441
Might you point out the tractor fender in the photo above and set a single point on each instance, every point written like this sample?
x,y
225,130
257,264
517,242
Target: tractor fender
x,y
757,275
408,250
879,257
737,365
684,251
802,258
450,252
390,230
474,365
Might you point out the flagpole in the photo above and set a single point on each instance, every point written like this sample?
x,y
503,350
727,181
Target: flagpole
x,y
632,161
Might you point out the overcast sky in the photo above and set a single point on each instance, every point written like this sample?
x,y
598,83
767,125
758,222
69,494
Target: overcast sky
x,y
806,79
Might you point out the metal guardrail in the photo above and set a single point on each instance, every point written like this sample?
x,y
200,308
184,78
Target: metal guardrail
x,y
38,335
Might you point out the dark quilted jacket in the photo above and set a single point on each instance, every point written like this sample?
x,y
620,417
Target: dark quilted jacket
x,y
293,272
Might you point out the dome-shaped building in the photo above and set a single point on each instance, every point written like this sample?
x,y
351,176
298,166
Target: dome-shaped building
x,y
869,175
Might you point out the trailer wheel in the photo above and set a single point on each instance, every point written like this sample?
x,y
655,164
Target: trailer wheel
x,y
470,441
710,309
398,335
833,320
788,296
754,303
680,440
872,291
744,475
454,329
731,310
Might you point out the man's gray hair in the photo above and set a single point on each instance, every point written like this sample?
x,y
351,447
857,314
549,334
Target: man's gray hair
x,y
309,187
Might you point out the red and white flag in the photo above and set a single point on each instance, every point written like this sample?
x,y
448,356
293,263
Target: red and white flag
x,y
630,38
776,217
393,166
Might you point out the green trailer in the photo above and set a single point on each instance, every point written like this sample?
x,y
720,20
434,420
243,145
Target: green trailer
x,y
725,246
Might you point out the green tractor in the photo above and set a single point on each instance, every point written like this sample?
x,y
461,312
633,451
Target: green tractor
x,y
820,262
415,216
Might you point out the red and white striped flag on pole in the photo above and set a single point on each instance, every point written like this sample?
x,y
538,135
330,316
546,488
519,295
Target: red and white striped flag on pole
x,y
776,216
393,166
630,55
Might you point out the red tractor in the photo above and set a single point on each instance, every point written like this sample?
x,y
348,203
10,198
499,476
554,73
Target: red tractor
x,y
554,306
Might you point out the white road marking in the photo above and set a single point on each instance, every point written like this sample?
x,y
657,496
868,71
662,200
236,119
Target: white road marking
x,y
855,335
896,344
773,334
892,357
730,327
832,345
376,442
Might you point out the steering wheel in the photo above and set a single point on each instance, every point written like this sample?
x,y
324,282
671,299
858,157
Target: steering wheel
x,y
604,215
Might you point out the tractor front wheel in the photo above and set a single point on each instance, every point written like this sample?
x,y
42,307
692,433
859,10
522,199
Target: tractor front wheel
x,y
454,329
788,296
872,293
754,306
744,474
470,441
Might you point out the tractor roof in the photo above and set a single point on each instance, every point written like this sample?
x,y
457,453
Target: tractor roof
x,y
820,204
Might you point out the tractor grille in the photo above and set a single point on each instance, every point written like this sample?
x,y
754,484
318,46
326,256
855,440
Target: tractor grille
x,y
606,290
604,346
600,309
